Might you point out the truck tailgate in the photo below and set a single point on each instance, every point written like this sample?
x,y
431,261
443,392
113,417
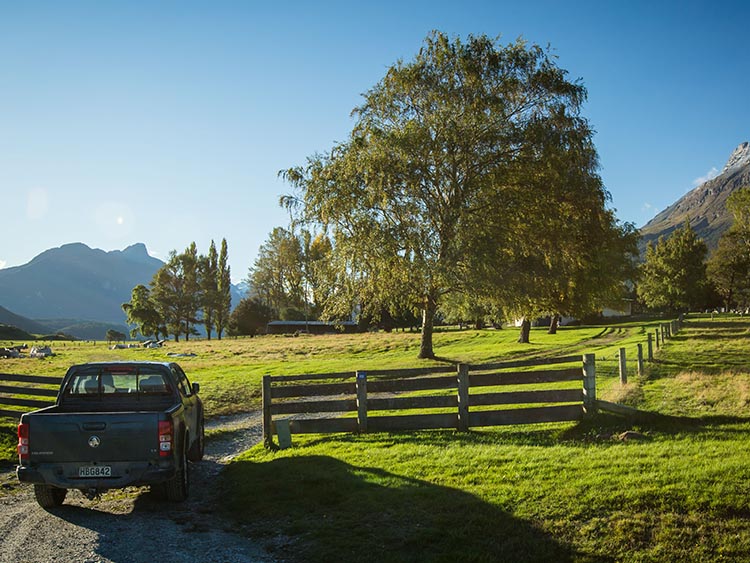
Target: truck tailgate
x,y
93,437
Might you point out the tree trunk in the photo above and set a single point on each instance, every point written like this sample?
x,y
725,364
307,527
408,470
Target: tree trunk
x,y
525,331
428,318
554,322
208,322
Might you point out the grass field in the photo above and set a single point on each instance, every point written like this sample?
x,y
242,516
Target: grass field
x,y
563,492
230,370
556,492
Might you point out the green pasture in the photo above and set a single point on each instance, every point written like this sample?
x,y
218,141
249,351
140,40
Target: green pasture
x,y
230,370
557,492
553,492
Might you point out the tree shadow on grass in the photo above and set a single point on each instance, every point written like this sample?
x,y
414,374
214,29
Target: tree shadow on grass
x,y
606,426
336,511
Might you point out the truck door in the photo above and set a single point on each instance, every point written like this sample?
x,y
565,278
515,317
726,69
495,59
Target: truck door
x,y
190,400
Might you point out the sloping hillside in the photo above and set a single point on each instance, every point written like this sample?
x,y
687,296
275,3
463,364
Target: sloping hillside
x,y
11,319
705,206
75,281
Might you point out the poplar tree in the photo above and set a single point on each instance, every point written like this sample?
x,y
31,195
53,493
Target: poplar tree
x,y
224,291
209,283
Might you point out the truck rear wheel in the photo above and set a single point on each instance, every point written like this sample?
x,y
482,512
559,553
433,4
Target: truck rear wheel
x,y
177,487
198,447
49,497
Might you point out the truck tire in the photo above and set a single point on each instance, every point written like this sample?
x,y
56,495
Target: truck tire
x,y
177,487
198,446
49,497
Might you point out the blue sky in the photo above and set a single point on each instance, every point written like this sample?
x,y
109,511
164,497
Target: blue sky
x,y
167,122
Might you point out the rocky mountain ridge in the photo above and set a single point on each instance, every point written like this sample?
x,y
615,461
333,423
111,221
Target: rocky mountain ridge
x,y
705,205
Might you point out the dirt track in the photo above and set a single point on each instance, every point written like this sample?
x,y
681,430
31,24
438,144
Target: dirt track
x,y
132,526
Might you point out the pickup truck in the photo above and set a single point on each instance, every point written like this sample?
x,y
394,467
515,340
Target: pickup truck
x,y
113,425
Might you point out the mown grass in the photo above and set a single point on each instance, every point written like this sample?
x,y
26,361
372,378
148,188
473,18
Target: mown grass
x,y
561,492
230,370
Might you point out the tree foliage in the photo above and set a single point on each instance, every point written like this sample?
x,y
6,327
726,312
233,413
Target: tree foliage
x,y
209,286
278,272
673,276
115,336
142,313
729,266
190,289
223,303
460,175
250,317
728,270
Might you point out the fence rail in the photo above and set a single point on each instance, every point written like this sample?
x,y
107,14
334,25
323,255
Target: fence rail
x,y
380,400
16,395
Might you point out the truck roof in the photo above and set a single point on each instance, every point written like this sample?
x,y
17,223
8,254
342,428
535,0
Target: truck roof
x,y
125,363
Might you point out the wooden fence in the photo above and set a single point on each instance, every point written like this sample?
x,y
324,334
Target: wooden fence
x,y
14,394
465,396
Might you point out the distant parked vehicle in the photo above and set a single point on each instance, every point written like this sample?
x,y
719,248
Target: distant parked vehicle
x,y
113,425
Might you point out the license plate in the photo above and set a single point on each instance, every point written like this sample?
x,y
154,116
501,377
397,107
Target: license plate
x,y
95,471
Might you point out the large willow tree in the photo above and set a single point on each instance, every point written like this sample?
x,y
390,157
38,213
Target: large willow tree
x,y
444,181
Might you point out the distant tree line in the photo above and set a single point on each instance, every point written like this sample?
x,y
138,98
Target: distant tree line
x,y
189,290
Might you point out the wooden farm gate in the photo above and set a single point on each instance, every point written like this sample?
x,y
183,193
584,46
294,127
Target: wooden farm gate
x,y
461,397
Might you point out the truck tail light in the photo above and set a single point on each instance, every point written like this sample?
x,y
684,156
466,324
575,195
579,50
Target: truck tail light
x,y
166,436
23,443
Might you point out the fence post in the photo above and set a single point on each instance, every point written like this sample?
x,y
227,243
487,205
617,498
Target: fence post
x,y
650,347
463,398
266,403
675,327
623,366
361,384
589,384
656,332
669,330
640,359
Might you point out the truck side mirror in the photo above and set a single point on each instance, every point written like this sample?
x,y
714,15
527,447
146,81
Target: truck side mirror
x,y
196,388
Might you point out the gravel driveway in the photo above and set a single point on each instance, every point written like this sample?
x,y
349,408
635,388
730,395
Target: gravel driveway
x,y
130,525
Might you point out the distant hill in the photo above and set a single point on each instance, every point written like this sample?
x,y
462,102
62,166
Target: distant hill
x,y
11,319
75,281
14,333
77,290
704,206
82,329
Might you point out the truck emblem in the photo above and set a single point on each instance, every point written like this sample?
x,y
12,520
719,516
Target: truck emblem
x,y
94,441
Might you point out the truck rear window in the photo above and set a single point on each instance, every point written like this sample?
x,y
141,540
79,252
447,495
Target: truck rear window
x,y
113,382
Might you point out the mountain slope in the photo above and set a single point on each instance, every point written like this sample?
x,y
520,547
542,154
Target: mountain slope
x,y
72,285
75,281
11,319
705,206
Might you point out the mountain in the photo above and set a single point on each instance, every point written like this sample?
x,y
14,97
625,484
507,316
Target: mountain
x,y
704,206
77,282
78,290
11,319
